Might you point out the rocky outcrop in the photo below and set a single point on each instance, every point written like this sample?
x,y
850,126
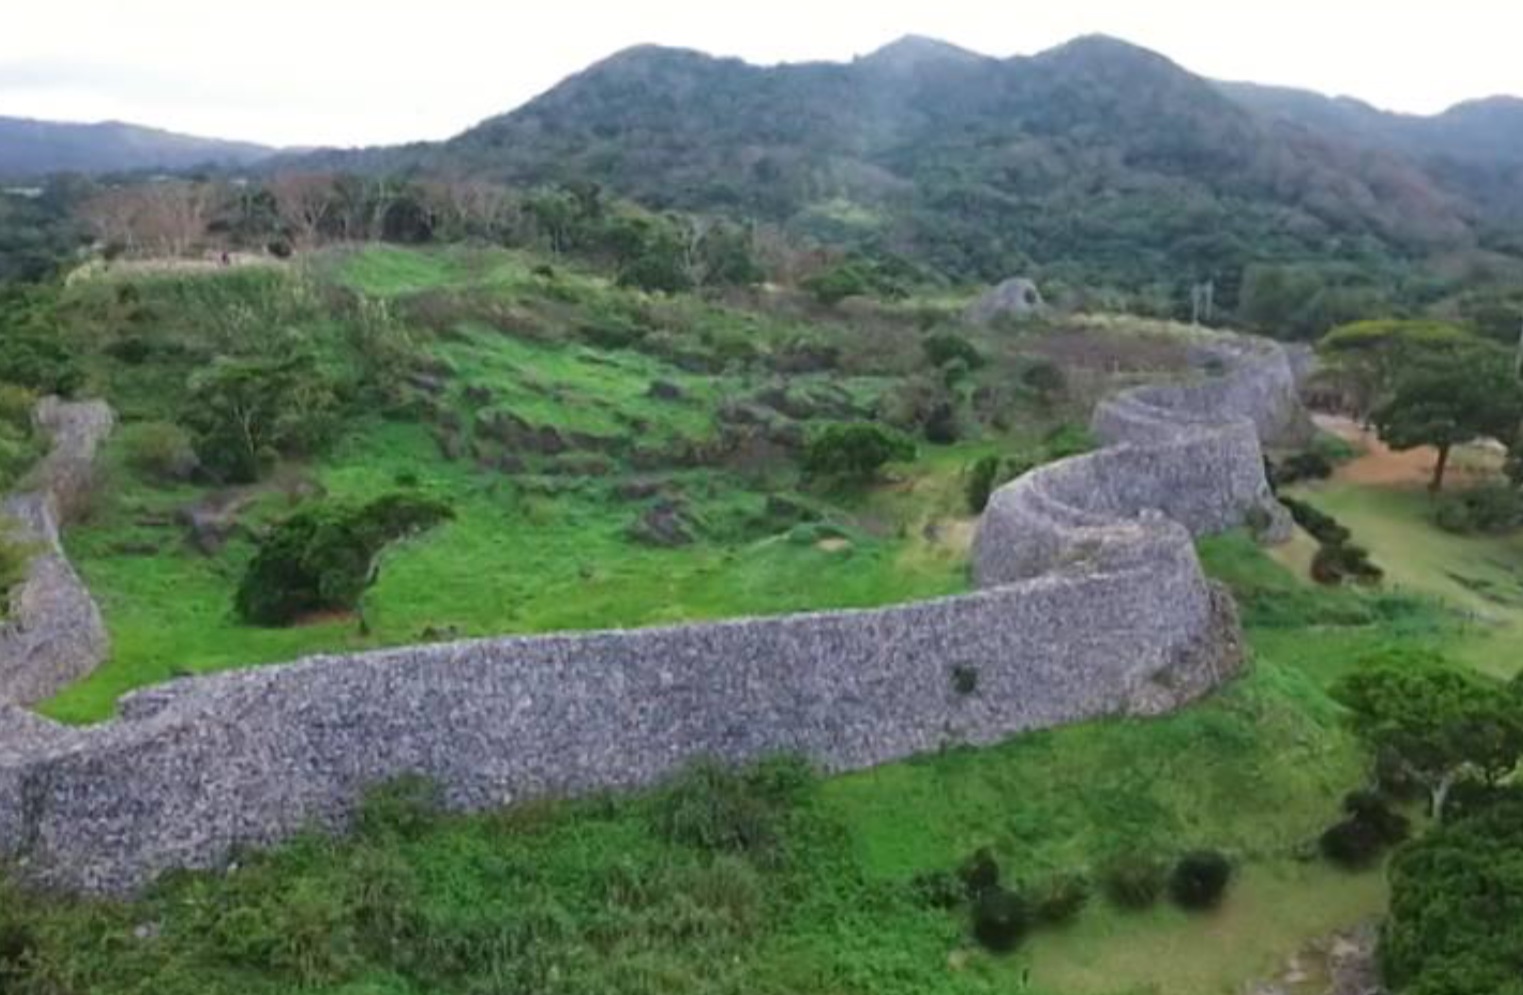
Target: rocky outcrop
x,y
53,634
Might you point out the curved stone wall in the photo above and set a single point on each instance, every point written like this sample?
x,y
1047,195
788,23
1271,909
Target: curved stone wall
x,y
53,634
1093,603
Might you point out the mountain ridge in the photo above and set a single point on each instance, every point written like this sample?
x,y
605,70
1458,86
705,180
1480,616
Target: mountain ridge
x,y
34,146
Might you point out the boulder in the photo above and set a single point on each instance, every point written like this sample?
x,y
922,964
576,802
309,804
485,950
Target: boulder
x,y
1016,297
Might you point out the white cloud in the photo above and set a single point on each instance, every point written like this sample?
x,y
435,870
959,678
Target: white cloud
x,y
353,72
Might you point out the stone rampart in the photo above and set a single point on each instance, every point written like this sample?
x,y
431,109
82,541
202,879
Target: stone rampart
x,y
53,633
1092,603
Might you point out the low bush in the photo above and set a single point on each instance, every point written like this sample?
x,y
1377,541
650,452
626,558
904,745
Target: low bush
x,y
942,348
1134,880
719,808
1351,843
982,477
1059,899
1321,526
1298,467
1370,807
1491,509
324,557
159,451
1067,440
854,452
1000,919
404,808
1200,879
979,872
1344,562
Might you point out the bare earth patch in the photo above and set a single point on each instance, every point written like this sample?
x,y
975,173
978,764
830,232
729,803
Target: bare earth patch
x,y
1382,466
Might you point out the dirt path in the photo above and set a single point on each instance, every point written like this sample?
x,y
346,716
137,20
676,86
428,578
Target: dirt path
x,y
1382,466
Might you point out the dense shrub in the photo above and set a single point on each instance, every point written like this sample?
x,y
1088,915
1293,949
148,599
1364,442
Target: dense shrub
x,y
1351,843
324,557
1000,919
159,451
1336,564
1368,829
1059,899
719,808
1308,465
1133,880
854,452
245,413
19,446
979,872
33,353
1321,526
982,477
1200,879
1492,509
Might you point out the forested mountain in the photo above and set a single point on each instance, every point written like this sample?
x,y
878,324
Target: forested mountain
x,y
32,148
1097,157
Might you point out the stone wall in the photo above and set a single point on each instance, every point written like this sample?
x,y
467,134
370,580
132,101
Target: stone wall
x,y
1093,603
53,634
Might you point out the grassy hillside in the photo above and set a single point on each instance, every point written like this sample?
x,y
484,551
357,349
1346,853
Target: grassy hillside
x,y
558,415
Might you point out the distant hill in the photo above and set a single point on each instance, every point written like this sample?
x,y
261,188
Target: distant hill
x,y
33,148
1094,157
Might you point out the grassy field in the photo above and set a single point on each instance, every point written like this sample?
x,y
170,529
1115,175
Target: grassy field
x,y
1480,576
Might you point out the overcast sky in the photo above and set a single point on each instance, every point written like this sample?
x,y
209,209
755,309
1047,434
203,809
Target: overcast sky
x,y
345,72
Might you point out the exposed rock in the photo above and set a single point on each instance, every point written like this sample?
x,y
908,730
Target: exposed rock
x,y
1016,297
664,523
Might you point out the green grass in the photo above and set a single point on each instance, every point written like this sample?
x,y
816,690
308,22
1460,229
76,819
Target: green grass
x,y
1481,576
513,561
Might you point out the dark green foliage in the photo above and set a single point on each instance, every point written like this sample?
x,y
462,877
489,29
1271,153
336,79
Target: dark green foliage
x,y
1199,879
1059,899
979,872
246,413
1372,809
1455,922
1490,509
1436,724
854,452
1133,880
160,452
1067,440
1323,527
1451,399
1342,563
831,286
1308,465
1000,919
942,348
982,477
33,351
719,808
1351,843
324,557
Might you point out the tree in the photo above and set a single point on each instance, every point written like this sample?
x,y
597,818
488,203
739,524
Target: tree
x,y
304,201
326,556
247,412
854,452
1436,725
1451,400
1367,358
